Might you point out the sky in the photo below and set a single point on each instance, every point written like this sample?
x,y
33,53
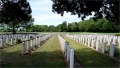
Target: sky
x,y
42,12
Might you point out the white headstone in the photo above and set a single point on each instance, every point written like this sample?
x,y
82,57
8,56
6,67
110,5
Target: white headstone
x,y
36,41
93,43
65,49
28,45
39,39
109,41
85,41
23,48
71,58
2,43
97,45
7,40
119,42
88,42
12,41
114,40
103,47
31,42
112,49
68,52
101,39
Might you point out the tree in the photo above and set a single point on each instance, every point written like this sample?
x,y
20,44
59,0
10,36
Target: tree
x,y
28,25
15,12
2,27
102,8
58,27
73,27
64,26
52,28
69,27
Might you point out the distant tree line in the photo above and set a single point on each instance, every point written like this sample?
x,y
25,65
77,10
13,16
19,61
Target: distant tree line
x,y
101,25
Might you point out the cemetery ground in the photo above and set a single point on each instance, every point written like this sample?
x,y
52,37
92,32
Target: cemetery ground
x,y
48,55
91,58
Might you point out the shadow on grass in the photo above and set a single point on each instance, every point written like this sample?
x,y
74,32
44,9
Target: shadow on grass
x,y
46,59
90,58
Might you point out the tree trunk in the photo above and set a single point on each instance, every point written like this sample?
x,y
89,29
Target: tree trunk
x,y
14,31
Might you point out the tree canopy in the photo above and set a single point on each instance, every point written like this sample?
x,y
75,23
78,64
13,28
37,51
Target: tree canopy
x,y
103,8
15,12
15,9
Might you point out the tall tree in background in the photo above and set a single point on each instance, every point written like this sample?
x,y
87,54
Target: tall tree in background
x,y
103,8
28,25
58,27
64,26
15,12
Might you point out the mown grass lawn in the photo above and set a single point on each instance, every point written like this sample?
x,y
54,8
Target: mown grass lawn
x,y
79,32
48,55
91,58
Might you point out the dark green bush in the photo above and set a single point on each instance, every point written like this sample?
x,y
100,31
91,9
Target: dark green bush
x,y
19,41
67,42
31,36
117,52
107,49
117,34
37,36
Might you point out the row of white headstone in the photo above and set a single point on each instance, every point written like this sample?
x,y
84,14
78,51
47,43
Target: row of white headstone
x,y
16,36
33,42
11,39
101,38
68,52
87,39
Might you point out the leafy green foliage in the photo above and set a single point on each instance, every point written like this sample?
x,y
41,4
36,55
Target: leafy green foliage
x,y
15,13
107,50
117,34
67,42
31,36
19,41
83,8
101,25
117,52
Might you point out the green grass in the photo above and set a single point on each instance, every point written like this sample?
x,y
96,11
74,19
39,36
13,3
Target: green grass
x,y
89,57
79,32
48,55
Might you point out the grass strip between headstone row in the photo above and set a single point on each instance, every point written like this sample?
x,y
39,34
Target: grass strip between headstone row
x,y
91,58
48,55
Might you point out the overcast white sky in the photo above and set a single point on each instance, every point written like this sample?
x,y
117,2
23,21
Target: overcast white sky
x,y
42,12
